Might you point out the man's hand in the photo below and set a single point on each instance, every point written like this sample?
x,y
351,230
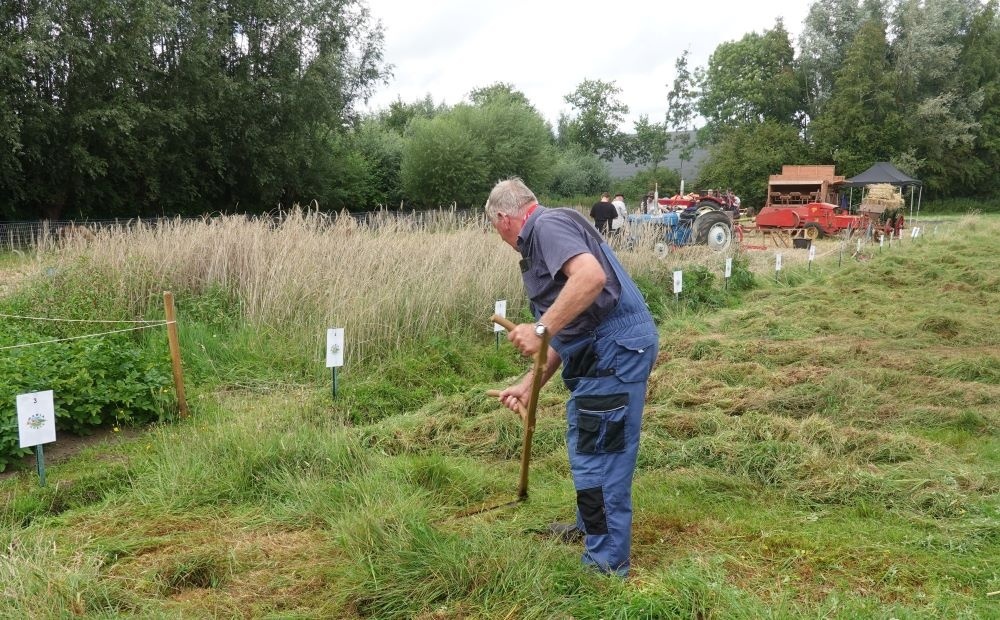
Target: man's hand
x,y
516,397
523,337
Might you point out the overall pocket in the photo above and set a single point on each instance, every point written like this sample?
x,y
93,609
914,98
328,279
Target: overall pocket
x,y
632,357
601,423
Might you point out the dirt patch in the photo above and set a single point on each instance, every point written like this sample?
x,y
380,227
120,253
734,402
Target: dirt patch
x,y
66,446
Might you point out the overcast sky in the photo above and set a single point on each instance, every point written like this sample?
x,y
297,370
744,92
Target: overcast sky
x,y
545,48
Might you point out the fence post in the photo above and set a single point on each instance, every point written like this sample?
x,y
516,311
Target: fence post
x,y
175,351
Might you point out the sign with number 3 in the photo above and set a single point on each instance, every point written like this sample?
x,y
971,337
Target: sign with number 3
x,y
36,418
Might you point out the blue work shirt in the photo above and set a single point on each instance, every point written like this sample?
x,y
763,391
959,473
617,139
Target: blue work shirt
x,y
548,239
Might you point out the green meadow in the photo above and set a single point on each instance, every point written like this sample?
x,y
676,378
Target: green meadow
x,y
820,444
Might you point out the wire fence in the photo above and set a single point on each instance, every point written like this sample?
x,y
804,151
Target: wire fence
x,y
31,235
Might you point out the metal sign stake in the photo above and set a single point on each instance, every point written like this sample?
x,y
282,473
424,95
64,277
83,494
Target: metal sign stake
x,y
40,464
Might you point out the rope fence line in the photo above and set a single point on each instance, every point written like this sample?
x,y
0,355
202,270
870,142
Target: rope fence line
x,y
116,331
173,341
42,318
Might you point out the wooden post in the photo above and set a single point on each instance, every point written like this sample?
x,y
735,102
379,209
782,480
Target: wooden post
x,y
175,351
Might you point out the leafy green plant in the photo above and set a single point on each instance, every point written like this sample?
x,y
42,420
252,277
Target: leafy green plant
x,y
96,383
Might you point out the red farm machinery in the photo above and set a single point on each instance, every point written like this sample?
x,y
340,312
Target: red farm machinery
x,y
802,203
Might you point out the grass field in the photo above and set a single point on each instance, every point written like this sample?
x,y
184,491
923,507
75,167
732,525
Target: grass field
x,y
825,445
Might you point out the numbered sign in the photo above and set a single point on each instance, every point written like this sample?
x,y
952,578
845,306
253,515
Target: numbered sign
x,y
678,282
777,262
729,267
881,241
36,418
335,347
812,253
915,233
500,309
859,246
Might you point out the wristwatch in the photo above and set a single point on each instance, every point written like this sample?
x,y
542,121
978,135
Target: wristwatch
x,y
540,329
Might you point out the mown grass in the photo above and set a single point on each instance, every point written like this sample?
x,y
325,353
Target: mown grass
x,y
829,446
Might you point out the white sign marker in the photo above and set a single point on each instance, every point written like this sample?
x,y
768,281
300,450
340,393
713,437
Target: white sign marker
x,y
777,262
812,252
335,347
915,233
729,267
678,282
36,418
881,241
500,309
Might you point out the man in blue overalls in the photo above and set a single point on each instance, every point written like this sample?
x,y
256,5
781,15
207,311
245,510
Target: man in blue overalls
x,y
603,335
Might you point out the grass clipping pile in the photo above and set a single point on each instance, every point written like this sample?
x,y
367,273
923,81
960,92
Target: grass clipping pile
x,y
881,198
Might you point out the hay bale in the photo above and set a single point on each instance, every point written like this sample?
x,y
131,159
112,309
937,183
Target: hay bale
x,y
882,197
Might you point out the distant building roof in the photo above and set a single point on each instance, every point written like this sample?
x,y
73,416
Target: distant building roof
x,y
621,170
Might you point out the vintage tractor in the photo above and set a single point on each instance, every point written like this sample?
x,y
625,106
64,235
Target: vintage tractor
x,y
701,223
710,198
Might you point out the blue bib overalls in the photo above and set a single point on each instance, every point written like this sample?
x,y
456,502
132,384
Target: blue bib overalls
x,y
606,372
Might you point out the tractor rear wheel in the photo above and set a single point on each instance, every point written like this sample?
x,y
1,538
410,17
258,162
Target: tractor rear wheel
x,y
715,229
812,230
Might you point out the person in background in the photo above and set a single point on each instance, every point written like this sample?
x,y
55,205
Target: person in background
x,y
650,206
603,335
618,224
603,212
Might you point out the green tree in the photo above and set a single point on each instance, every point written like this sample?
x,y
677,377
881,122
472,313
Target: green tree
x,y
862,122
505,138
499,92
681,100
649,144
638,185
751,81
597,114
381,148
941,112
13,89
828,30
745,156
150,106
398,115
579,173
979,63
443,163
517,140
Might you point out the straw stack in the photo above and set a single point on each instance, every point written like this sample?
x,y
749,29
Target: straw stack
x,y
882,197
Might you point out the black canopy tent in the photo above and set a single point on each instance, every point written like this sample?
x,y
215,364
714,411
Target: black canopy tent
x,y
884,172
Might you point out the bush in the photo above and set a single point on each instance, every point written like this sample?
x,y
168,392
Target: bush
x,y
960,205
96,383
645,181
579,174
443,163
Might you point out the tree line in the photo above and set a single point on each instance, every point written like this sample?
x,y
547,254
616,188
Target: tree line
x,y
118,108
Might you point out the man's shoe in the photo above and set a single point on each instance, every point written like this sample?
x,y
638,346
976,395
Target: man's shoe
x,y
566,532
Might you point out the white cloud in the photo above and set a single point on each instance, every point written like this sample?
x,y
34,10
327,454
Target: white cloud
x,y
546,48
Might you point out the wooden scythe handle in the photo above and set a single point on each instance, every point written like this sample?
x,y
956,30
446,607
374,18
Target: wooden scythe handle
x,y
529,416
529,425
502,322
521,409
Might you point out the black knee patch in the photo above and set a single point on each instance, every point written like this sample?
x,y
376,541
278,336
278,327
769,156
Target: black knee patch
x,y
591,505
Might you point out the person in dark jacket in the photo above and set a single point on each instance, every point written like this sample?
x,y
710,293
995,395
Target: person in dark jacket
x,y
603,212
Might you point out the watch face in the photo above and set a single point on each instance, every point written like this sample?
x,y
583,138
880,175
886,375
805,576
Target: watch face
x,y
540,330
